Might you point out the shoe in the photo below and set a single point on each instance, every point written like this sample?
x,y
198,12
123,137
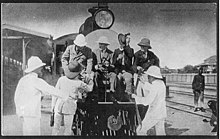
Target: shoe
x,y
202,109
196,109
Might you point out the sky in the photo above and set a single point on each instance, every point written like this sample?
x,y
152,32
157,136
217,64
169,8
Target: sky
x,y
181,33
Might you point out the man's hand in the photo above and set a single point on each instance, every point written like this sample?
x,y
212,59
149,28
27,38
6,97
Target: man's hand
x,y
96,67
133,96
142,79
120,56
99,67
119,76
139,68
73,95
138,128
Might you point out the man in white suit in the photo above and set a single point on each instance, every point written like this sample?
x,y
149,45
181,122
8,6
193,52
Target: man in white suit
x,y
154,96
28,96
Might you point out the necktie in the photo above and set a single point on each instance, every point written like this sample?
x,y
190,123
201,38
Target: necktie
x,y
123,59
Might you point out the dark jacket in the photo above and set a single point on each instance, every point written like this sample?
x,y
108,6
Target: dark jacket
x,y
97,59
128,55
145,63
198,83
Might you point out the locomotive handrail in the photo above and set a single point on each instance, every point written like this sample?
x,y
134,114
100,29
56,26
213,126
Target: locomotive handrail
x,y
127,103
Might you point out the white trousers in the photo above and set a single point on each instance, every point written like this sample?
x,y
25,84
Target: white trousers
x,y
68,121
159,127
31,126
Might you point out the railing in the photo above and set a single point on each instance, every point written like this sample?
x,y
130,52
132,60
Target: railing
x,y
210,79
11,62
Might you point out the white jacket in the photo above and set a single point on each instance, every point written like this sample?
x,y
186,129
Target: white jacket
x,y
154,96
68,86
28,95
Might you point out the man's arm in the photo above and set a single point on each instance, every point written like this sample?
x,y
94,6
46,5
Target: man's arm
x,y
94,61
89,66
89,61
114,57
18,99
134,67
149,98
129,52
44,87
114,61
54,98
203,83
153,61
66,56
193,82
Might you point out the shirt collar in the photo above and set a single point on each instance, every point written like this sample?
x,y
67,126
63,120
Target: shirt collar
x,y
103,51
121,49
33,74
78,48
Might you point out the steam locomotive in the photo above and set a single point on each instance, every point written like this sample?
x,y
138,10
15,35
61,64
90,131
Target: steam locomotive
x,y
96,115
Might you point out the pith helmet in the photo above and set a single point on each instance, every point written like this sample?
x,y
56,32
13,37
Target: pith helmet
x,y
103,40
154,71
80,40
34,62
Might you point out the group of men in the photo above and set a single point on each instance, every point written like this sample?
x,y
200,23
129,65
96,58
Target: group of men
x,y
83,69
122,64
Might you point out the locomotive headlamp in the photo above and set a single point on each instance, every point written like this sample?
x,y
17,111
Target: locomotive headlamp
x,y
104,18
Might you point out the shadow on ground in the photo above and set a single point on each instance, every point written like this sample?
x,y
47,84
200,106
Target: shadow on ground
x,y
169,130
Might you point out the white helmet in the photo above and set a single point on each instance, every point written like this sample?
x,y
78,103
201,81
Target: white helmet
x,y
34,62
154,71
80,40
103,39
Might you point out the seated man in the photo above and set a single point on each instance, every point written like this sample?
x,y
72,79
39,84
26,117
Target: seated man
x,y
122,60
143,59
79,52
102,64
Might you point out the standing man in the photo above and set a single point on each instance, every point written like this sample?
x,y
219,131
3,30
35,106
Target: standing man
x,y
143,59
79,52
198,86
122,60
102,60
28,96
72,86
154,96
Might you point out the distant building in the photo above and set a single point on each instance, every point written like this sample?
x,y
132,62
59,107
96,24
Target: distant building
x,y
209,64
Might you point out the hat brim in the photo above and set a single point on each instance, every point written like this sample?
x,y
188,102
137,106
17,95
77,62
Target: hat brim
x,y
103,42
34,68
144,45
156,76
69,74
80,44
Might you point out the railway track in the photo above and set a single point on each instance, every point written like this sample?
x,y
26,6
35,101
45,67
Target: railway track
x,y
191,94
187,108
